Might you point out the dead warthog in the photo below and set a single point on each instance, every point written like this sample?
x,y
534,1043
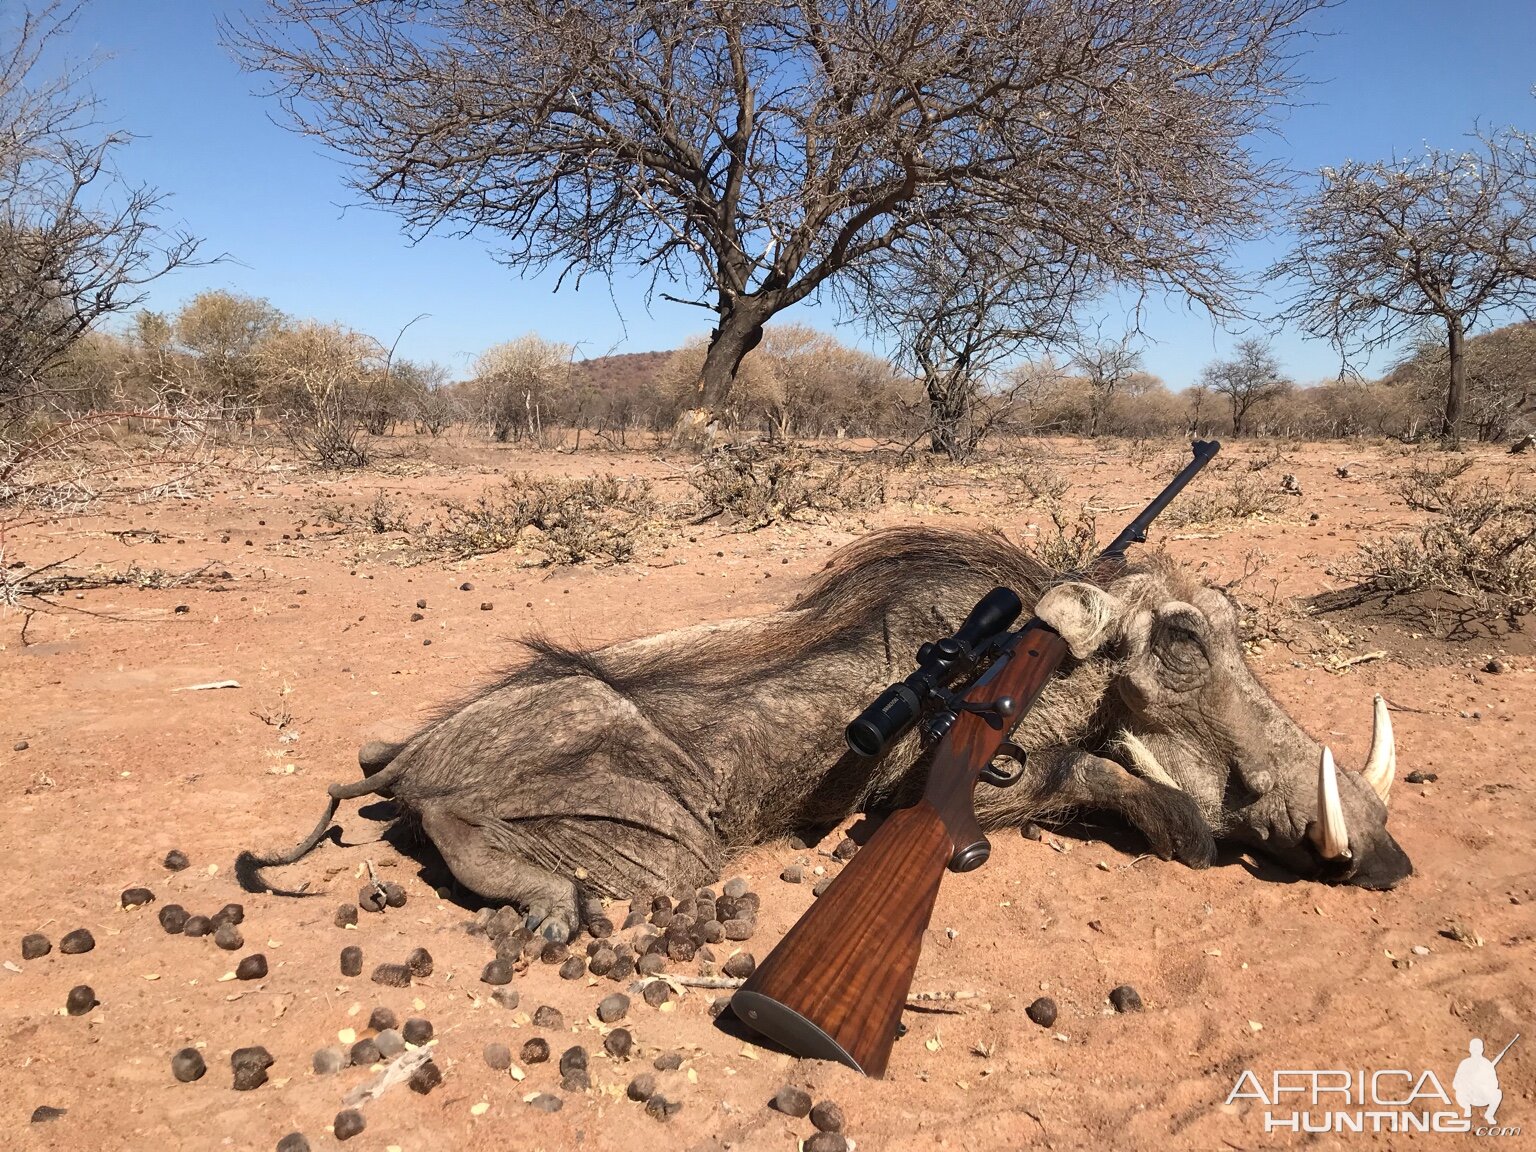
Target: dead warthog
x,y
639,767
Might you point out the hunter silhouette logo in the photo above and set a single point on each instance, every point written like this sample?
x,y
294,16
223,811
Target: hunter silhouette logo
x,y
1477,1080
1339,1100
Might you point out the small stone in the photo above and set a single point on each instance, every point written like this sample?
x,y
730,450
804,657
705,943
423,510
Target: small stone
x,y
1420,950
197,926
346,915
747,904
792,1101
506,997
394,895
612,1007
250,1067
535,1051
718,1005
602,961
76,942
735,887
416,616
739,929
175,860
712,931
547,1102
365,1053
426,1078
229,914
821,886
390,1043
252,967
381,1018
641,1088
601,928
352,960
634,918
658,1107
651,964
136,897
623,969
370,898
35,945
657,993
417,1031
574,968
826,1142
421,603
43,1113
794,874
81,999
486,605
173,918
533,948
1042,1011
1496,666
349,1122
1421,777
548,1018
293,1142
497,1056
740,965
554,953
228,937
187,1065
662,917
419,962
466,587
681,948
619,1043
827,1116
1125,999
392,976
573,1058
328,1061
668,1062
498,971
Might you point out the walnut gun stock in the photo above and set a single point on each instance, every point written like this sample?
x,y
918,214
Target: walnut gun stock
x,y
835,986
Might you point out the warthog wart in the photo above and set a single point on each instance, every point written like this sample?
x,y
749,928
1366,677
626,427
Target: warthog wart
x,y
641,766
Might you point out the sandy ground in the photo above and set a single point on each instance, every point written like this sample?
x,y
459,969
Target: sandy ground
x,y
1239,967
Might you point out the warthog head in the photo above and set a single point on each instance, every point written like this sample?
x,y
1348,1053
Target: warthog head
x,y
1184,710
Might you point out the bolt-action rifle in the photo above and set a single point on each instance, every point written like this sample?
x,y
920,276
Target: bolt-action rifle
x,y
834,987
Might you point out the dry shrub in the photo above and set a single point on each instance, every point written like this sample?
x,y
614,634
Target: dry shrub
x,y
1481,548
756,484
1428,487
1071,541
1239,496
566,521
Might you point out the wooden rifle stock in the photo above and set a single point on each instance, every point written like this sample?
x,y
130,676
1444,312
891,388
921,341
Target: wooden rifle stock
x,y
835,986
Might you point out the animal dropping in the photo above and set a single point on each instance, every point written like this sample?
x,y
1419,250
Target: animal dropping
x,y
136,897
34,946
77,942
352,961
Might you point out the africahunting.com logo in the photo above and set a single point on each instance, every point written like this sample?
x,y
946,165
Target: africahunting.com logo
x,y
1340,1100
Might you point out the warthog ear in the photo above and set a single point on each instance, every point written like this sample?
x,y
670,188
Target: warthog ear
x,y
1087,617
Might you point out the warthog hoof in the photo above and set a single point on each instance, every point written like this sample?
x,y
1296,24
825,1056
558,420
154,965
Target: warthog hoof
x,y
1174,826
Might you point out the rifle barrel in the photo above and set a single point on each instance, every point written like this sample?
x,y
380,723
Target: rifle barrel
x,y
1136,531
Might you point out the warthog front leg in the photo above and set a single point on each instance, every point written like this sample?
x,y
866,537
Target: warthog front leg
x,y
1171,821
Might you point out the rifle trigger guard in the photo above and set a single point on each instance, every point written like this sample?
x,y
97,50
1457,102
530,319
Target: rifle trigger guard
x,y
998,777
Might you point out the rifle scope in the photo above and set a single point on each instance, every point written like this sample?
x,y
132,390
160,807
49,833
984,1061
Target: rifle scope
x,y
900,706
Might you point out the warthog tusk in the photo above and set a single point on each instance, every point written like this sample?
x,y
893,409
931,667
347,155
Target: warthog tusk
x,y
1381,765
1330,833
1144,764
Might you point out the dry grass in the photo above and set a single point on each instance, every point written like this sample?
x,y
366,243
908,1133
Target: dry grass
x,y
1071,540
1239,496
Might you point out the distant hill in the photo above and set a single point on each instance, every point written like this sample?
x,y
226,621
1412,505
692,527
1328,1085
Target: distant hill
x,y
628,370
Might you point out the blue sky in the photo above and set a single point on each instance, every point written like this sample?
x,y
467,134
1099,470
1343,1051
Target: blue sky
x,y
1386,77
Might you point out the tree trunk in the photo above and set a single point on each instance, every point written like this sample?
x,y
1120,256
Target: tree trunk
x,y
1237,419
740,331
946,410
1450,430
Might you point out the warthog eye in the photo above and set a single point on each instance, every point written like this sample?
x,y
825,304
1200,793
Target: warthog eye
x,y
1178,641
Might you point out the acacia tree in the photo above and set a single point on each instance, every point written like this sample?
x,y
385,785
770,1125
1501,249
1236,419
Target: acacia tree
x,y
1108,366
1251,376
753,151
77,242
1447,238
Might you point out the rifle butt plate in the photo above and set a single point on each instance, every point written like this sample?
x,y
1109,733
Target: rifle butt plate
x,y
788,1028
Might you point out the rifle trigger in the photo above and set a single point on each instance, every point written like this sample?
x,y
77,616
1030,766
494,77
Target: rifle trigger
x,y
1000,778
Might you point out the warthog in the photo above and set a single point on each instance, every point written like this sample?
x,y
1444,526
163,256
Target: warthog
x,y
640,767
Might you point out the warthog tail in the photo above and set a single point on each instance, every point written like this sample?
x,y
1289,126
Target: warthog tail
x,y
248,865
